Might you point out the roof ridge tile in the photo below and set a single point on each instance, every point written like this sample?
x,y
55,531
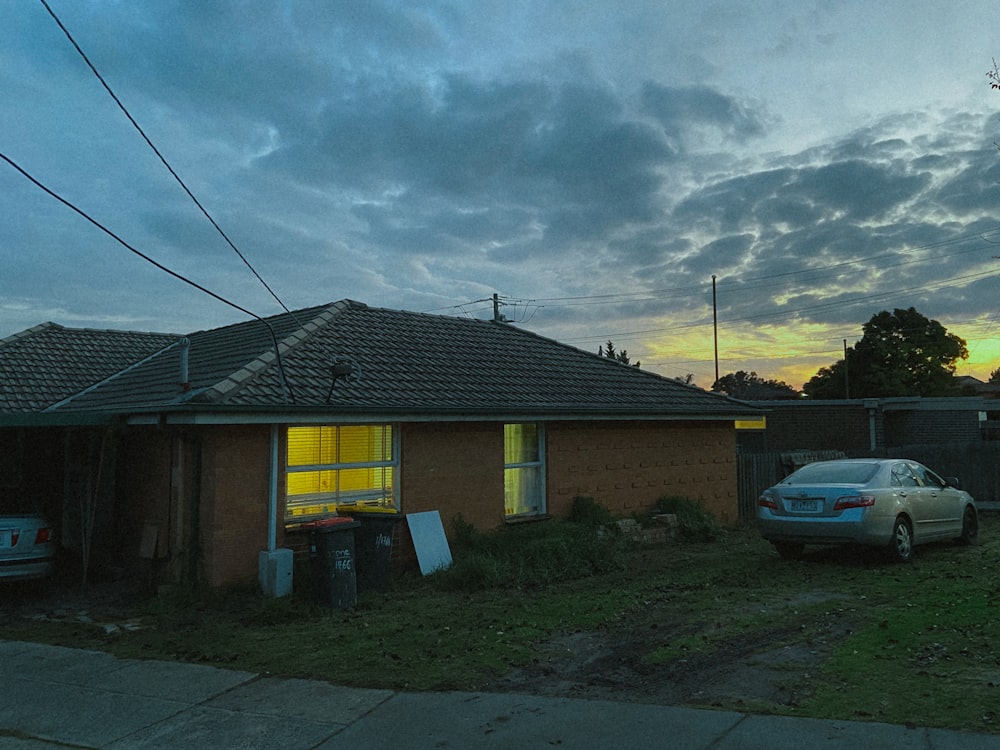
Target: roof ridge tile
x,y
111,378
235,382
30,332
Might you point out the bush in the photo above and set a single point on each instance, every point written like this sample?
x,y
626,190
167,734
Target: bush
x,y
589,512
529,554
463,533
694,523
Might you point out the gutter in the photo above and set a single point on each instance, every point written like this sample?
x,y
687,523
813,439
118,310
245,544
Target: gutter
x,y
319,417
41,419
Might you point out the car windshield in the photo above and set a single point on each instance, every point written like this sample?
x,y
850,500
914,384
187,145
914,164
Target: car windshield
x,y
833,473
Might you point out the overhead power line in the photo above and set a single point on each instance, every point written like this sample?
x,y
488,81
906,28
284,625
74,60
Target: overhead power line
x,y
119,240
769,280
148,259
156,151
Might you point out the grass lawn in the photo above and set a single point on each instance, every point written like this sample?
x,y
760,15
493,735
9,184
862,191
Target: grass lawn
x,y
915,643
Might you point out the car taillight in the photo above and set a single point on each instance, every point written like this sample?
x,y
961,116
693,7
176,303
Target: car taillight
x,y
766,502
43,535
854,501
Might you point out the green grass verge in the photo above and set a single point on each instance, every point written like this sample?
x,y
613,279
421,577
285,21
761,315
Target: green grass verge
x,y
917,643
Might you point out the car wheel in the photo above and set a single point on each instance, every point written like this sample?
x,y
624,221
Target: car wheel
x,y
901,543
789,550
970,527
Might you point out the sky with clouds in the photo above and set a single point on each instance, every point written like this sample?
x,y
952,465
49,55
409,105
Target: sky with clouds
x,y
594,164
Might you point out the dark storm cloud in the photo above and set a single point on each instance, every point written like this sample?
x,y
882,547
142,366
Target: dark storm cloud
x,y
351,100
862,189
975,188
680,110
729,204
856,190
786,210
723,253
843,231
564,155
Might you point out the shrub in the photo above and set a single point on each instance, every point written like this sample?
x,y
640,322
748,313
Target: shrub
x,y
694,523
463,533
528,555
589,512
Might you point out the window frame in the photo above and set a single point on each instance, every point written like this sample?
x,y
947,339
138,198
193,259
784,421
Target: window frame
x,y
538,466
334,500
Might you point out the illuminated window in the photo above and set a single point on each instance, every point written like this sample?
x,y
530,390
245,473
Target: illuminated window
x,y
339,467
524,470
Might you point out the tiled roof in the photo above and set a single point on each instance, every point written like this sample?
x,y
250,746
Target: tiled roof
x,y
402,363
214,357
48,363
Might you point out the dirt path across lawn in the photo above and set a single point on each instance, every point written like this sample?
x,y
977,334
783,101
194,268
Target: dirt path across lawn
x,y
752,668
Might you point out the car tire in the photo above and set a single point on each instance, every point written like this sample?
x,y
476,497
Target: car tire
x,y
970,527
901,541
789,550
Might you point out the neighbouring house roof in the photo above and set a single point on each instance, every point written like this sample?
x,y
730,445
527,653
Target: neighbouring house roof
x,y
986,390
48,363
402,365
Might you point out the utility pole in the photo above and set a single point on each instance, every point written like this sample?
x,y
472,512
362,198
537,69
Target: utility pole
x,y
847,374
715,329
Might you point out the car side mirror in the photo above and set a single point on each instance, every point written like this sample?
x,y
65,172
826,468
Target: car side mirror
x,y
952,482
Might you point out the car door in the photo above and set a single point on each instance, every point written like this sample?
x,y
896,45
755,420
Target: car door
x,y
944,504
914,499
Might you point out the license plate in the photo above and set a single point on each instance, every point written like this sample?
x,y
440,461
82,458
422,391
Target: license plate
x,y
805,506
5,539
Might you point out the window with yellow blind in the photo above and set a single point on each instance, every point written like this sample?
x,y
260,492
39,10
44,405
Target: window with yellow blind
x,y
333,468
524,470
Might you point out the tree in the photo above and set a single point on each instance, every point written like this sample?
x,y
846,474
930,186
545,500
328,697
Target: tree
x,y
608,350
901,353
749,386
995,377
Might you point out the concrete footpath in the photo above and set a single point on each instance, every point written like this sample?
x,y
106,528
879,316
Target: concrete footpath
x,y
53,697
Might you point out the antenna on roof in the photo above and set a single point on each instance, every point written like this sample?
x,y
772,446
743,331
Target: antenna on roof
x,y
342,367
498,317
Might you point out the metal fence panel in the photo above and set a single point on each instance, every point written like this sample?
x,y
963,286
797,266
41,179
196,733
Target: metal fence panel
x,y
977,465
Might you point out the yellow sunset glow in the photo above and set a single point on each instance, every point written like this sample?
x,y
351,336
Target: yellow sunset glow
x,y
792,353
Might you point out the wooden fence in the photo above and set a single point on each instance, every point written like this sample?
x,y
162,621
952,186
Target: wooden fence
x,y
977,466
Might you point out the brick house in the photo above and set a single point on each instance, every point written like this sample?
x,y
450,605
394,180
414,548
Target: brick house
x,y
192,454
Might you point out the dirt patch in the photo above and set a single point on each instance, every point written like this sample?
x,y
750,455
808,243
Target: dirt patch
x,y
745,670
103,605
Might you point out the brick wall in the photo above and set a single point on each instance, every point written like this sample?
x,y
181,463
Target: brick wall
x,y
235,469
628,466
455,468
926,427
801,426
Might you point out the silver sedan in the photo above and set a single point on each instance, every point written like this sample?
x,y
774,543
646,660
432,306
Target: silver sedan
x,y
27,547
891,503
